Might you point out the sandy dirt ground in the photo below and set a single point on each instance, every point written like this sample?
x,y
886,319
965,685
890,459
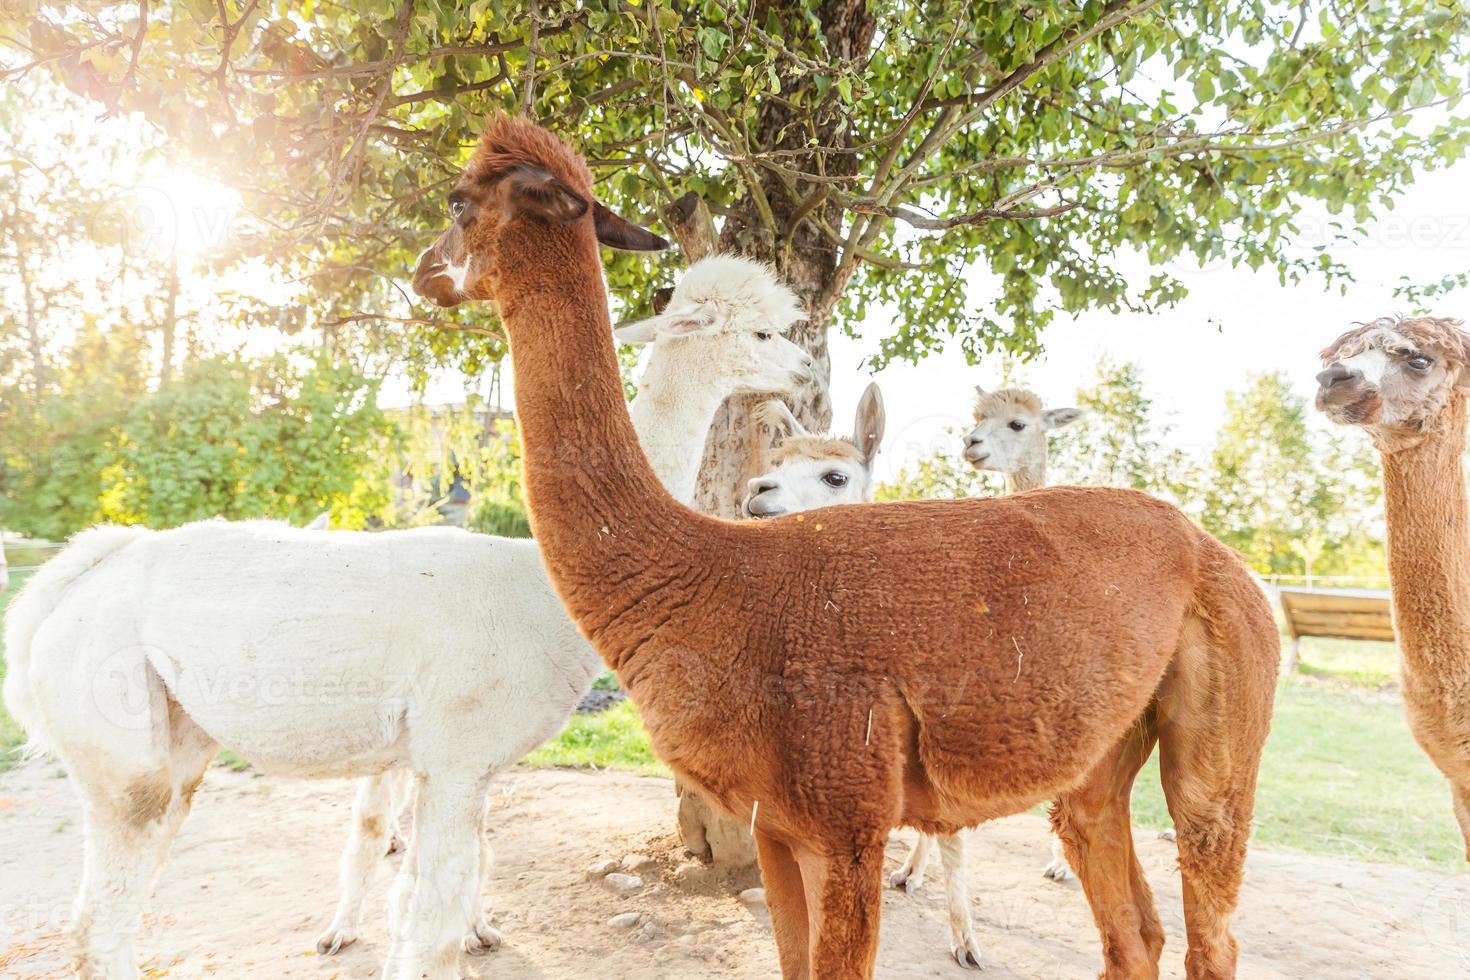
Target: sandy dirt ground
x,y
252,882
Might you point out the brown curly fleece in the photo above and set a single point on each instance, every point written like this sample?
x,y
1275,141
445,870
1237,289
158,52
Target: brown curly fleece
x,y
834,675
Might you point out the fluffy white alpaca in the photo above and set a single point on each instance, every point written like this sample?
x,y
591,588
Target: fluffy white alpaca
x,y
721,333
809,471
135,655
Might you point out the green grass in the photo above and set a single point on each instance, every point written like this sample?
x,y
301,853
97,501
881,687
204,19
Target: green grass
x,y
11,737
1362,662
1341,775
611,739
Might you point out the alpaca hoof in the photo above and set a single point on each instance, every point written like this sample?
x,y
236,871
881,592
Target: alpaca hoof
x,y
906,881
484,938
334,940
967,955
1059,871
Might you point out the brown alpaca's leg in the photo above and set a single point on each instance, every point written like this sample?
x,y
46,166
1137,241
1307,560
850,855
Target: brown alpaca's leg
x,y
1213,712
845,897
1461,796
786,899
1212,828
1093,823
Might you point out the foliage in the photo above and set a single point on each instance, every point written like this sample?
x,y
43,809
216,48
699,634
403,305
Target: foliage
x,y
1287,500
611,739
942,475
236,438
228,437
1118,442
11,737
875,151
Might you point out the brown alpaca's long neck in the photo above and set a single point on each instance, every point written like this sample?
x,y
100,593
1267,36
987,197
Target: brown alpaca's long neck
x,y
1429,545
601,516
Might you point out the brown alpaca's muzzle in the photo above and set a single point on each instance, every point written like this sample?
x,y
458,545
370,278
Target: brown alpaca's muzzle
x,y
1346,397
438,278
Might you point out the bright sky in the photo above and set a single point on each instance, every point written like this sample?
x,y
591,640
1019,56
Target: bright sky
x,y
1234,322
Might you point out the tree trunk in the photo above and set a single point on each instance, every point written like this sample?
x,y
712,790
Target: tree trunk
x,y
806,260
33,329
170,320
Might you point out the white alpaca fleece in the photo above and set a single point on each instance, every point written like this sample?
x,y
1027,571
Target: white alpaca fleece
x,y
41,595
310,653
134,655
740,291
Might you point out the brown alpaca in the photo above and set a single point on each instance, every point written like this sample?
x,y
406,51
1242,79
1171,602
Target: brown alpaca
x,y
1405,382
834,674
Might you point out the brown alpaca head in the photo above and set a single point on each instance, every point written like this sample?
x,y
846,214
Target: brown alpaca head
x,y
1010,430
809,471
520,175
1394,376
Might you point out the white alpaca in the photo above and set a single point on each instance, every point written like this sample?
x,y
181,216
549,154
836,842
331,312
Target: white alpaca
x,y
811,471
721,333
135,655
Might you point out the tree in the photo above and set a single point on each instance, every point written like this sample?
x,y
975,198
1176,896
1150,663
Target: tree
x,y
1117,443
1287,500
237,439
872,150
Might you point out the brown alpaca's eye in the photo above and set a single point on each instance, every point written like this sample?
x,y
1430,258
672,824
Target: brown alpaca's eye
x,y
1018,426
762,335
836,479
1420,363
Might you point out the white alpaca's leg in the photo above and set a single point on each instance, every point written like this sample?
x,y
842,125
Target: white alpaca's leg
x,y
1057,869
482,937
962,942
437,906
371,810
130,818
401,894
910,875
401,786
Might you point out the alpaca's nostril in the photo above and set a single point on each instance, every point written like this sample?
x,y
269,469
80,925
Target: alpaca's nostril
x,y
1336,374
761,486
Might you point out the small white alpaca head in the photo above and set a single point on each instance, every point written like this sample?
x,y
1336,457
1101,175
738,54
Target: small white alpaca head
x,y
810,471
1010,430
726,318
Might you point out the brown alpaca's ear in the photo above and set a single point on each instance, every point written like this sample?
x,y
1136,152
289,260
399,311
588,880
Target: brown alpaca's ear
x,y
542,193
620,233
